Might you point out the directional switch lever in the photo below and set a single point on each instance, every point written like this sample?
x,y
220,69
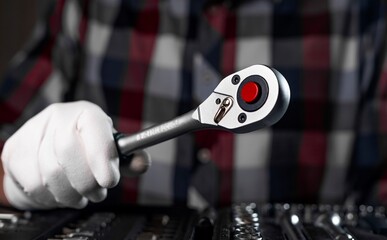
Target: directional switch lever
x,y
223,109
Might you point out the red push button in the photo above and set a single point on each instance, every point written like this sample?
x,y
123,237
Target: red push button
x,y
250,92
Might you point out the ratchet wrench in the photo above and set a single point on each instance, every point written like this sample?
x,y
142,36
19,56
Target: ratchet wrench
x,y
244,101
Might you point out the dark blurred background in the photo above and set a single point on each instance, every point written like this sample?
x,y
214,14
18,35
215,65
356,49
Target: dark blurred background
x,y
17,18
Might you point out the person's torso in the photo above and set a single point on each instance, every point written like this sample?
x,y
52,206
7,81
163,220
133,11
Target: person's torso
x,y
146,62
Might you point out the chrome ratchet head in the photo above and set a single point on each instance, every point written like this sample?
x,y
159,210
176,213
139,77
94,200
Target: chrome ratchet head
x,y
247,100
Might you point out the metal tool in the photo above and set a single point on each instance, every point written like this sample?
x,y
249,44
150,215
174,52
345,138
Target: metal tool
x,y
331,223
293,227
247,100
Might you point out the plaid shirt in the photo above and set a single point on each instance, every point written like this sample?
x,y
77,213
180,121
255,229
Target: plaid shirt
x,y
145,62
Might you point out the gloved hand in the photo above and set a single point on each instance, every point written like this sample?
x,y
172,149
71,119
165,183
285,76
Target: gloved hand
x,y
62,157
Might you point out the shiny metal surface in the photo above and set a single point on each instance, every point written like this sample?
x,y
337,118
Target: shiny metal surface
x,y
221,110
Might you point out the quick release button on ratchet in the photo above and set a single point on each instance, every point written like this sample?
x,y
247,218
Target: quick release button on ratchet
x,y
252,93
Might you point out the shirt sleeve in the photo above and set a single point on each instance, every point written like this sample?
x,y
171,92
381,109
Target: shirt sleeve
x,y
45,70
367,174
382,122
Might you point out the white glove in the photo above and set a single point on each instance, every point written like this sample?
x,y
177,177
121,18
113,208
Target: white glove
x,y
62,157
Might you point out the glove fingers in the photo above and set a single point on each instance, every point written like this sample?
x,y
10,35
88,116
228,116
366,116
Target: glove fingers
x,y
64,156
55,179
22,167
71,158
99,148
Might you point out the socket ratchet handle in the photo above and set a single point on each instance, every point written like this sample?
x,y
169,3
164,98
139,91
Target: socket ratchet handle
x,y
244,101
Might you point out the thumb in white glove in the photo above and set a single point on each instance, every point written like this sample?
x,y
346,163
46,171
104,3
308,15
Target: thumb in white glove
x,y
62,157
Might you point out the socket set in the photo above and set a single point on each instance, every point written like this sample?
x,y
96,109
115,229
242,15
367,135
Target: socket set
x,y
301,222
245,221
113,223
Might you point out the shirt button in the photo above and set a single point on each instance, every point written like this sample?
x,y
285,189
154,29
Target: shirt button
x,y
204,155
